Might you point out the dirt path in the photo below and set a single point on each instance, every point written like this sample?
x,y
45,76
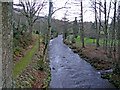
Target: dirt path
x,y
68,70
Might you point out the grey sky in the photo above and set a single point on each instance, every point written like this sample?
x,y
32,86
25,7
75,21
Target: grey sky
x,y
74,11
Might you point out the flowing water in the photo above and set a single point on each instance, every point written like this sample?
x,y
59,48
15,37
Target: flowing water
x,y
68,70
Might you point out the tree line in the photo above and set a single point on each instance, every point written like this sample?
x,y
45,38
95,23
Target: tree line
x,y
106,26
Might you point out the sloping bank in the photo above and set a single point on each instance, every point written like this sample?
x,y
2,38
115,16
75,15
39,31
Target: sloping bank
x,y
25,61
105,65
27,73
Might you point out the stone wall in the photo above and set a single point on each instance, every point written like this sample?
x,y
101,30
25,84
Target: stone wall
x,y
6,34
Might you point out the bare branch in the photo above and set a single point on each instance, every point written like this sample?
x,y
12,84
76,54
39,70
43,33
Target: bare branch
x,y
59,9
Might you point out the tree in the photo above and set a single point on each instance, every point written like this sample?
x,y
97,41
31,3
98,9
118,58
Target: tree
x,y
118,64
98,30
106,23
82,27
96,26
29,10
75,30
105,30
6,43
114,27
49,29
113,42
75,27
51,12
94,4
65,26
99,24
39,40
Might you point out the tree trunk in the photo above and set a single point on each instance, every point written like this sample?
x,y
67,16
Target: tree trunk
x,y
6,44
39,40
30,30
49,30
118,64
99,24
82,27
114,30
106,34
97,33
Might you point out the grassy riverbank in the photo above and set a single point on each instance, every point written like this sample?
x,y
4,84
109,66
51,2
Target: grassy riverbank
x,y
96,58
22,64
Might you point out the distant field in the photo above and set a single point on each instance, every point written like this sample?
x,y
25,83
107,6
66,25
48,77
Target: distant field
x,y
87,40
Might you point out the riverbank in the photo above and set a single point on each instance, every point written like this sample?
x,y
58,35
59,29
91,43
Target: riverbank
x,y
27,72
68,70
98,60
31,76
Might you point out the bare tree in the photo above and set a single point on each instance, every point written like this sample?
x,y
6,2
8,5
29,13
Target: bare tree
x,y
31,10
99,23
82,27
107,17
75,30
114,28
113,32
51,12
94,6
96,26
105,30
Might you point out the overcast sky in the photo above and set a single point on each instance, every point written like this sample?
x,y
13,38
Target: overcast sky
x,y
74,11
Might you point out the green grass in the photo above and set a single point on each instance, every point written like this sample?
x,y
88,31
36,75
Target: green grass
x,y
22,64
70,37
88,40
